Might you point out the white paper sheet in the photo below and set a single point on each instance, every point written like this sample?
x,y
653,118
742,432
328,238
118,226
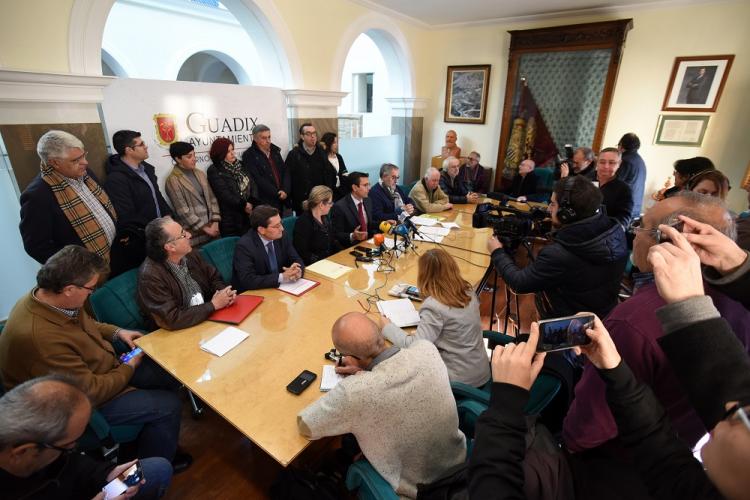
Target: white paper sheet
x,y
430,238
435,230
330,378
423,221
224,341
297,287
400,311
450,225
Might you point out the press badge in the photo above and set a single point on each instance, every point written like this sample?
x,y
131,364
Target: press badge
x,y
196,299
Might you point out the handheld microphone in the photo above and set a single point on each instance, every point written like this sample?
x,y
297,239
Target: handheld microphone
x,y
386,227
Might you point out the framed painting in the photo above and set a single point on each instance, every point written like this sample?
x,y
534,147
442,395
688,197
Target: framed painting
x,y
681,130
466,94
696,83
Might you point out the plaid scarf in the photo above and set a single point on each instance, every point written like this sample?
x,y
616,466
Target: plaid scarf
x,y
80,217
240,178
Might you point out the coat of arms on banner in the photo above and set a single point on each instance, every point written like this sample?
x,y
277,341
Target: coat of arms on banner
x,y
166,129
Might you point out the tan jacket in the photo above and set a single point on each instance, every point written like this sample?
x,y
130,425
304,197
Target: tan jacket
x,y
428,202
39,340
189,208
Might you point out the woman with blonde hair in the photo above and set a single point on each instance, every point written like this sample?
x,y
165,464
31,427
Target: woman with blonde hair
x,y
314,238
449,318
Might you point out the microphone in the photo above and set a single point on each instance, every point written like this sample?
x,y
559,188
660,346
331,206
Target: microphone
x,y
386,227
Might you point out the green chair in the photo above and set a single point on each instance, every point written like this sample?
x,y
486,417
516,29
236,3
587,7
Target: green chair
x,y
220,254
114,302
369,484
289,223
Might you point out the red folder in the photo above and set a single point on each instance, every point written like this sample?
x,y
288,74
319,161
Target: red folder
x,y
237,312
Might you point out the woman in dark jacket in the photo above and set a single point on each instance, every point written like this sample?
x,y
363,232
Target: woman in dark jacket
x,y
314,238
336,182
233,187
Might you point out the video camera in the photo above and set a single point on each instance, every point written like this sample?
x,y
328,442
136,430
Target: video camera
x,y
568,158
512,225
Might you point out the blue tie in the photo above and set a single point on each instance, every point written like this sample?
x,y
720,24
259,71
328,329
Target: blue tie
x,y
272,258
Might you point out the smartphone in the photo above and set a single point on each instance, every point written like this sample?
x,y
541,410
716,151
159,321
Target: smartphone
x,y
564,333
356,253
302,382
364,250
130,355
663,237
127,478
412,290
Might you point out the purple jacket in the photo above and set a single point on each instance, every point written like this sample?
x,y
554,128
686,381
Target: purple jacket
x,y
635,329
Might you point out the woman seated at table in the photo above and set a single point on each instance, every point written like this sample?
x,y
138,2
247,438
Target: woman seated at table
x,y
233,187
449,318
314,238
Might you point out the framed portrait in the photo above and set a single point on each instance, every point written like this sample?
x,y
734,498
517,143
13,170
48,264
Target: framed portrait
x,y
696,83
466,94
681,130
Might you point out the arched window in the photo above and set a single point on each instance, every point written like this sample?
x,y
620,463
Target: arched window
x,y
205,67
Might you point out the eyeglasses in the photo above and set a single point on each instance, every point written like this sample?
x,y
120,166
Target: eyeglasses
x,y
65,450
636,227
183,235
141,145
77,161
738,412
310,133
91,289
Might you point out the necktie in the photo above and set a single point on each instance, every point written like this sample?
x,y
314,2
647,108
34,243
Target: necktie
x,y
362,220
272,258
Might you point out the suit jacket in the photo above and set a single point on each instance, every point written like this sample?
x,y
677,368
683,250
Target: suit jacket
x,y
456,188
160,297
346,217
383,207
131,195
260,170
250,267
44,227
192,209
308,171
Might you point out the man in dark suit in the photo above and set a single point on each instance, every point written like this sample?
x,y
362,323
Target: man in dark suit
x,y
264,258
389,200
263,161
353,220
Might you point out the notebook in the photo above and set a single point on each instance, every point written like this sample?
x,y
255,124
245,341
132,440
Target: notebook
x,y
298,287
237,312
400,311
330,378
224,341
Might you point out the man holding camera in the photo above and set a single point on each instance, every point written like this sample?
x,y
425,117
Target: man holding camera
x,y
583,164
581,269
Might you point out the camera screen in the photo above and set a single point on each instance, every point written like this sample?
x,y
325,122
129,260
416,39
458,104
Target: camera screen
x,y
564,333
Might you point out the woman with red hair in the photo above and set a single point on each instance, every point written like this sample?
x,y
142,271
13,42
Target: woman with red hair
x,y
233,187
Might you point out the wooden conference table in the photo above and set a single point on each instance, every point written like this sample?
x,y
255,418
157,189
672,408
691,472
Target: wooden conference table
x,y
288,334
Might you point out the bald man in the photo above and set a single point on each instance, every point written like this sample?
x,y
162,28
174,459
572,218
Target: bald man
x,y
40,422
385,401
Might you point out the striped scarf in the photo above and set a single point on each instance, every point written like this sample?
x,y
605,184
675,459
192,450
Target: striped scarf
x,y
78,214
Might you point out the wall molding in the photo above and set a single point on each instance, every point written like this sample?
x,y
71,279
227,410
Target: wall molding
x,y
31,86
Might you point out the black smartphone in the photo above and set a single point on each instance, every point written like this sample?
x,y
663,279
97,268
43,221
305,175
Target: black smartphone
x,y
127,478
356,253
364,250
564,333
663,237
302,382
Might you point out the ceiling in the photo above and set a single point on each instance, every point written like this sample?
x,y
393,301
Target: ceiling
x,y
439,13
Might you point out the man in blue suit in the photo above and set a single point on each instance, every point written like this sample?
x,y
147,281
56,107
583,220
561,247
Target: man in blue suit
x,y
632,170
264,258
389,200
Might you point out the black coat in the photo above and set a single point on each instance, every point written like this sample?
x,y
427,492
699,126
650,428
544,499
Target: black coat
x,y
523,185
456,188
259,167
234,220
308,171
131,195
618,200
346,218
579,271
312,240
330,178
44,227
250,267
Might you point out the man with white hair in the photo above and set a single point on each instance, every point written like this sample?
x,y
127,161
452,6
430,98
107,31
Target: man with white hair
x,y
453,185
427,195
64,204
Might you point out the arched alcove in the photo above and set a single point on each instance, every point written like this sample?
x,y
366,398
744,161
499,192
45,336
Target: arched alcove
x,y
111,66
213,67
260,19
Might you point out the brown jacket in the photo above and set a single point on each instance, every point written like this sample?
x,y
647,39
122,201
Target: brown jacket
x,y
189,208
160,297
428,202
39,340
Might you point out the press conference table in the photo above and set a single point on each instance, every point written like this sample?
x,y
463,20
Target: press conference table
x,y
288,334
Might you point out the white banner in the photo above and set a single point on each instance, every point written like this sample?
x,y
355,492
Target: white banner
x,y
166,111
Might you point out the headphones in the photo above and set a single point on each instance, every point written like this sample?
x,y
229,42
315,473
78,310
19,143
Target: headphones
x,y
566,213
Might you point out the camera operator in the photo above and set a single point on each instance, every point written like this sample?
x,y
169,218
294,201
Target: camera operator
x,y
583,164
581,269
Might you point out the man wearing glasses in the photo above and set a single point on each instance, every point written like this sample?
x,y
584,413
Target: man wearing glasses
x,y
132,186
49,331
64,204
635,328
177,288
388,199
40,422
306,162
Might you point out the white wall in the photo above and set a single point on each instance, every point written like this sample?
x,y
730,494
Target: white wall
x,y
365,57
